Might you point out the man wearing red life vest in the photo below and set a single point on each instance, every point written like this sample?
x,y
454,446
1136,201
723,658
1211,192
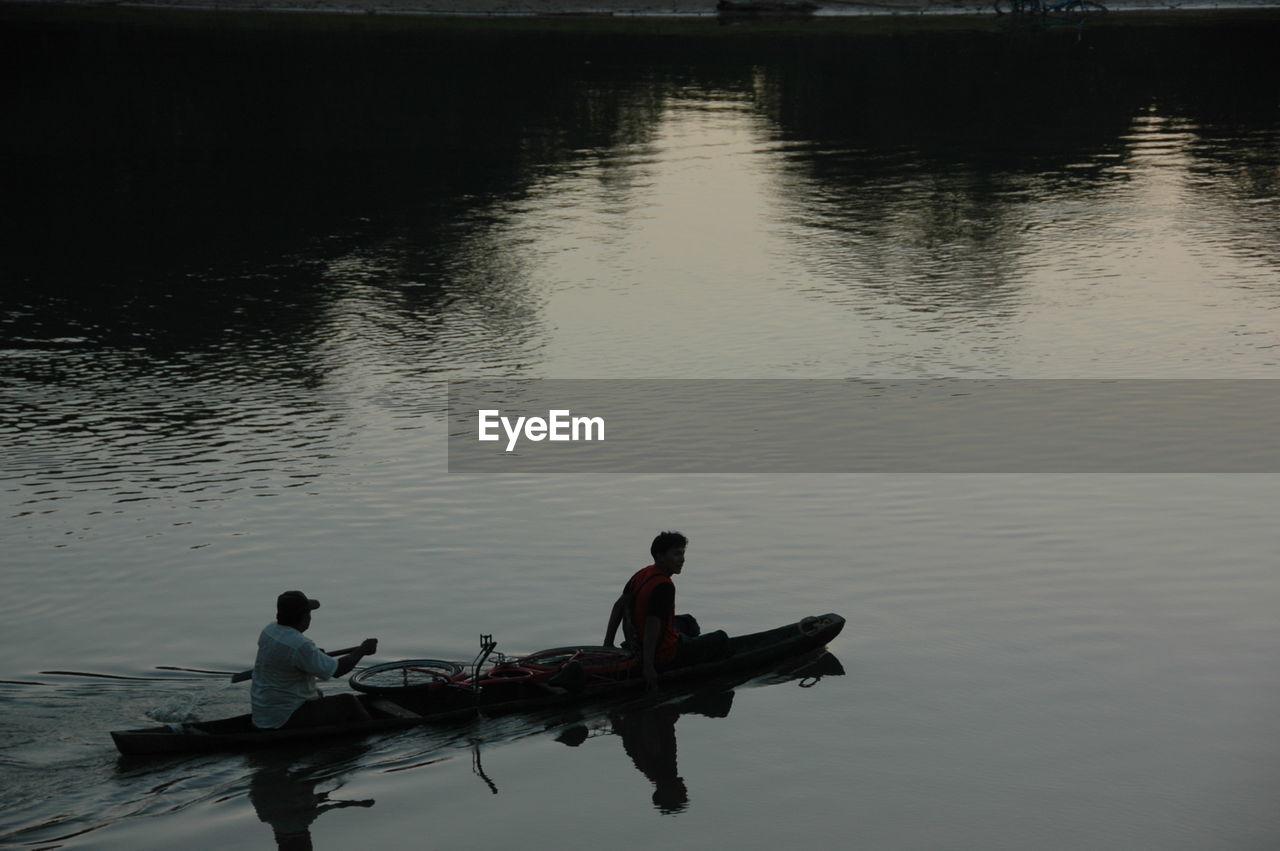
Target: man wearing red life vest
x,y
646,611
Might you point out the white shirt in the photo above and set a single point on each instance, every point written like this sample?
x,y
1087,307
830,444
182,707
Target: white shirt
x,y
284,674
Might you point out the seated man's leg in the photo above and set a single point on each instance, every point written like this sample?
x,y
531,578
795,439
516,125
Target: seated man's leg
x,y
687,625
338,709
704,648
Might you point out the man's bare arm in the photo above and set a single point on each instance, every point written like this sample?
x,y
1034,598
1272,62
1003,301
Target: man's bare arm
x,y
615,618
345,663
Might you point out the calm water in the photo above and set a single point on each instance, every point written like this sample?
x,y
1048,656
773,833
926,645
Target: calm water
x,y
241,259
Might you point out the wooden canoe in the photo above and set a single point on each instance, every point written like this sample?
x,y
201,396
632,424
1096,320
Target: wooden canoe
x,y
766,8
238,733
528,682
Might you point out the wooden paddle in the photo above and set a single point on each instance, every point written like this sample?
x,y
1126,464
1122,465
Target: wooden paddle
x,y
248,675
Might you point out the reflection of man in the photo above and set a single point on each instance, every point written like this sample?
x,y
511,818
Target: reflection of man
x,y
288,664
289,803
649,734
646,612
649,738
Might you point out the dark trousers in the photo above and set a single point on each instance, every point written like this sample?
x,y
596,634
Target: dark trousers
x,y
696,648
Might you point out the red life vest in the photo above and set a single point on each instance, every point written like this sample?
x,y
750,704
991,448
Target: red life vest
x,y
640,590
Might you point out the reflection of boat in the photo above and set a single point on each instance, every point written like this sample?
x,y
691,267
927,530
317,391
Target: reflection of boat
x,y
403,694
648,731
766,8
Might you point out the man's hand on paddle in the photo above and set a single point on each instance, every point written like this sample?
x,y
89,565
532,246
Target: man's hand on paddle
x,y
345,663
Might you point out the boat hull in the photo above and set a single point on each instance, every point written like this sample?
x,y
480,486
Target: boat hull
x,y
766,8
238,733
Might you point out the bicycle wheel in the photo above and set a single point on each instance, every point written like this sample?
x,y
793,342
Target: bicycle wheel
x,y
1083,9
589,656
391,676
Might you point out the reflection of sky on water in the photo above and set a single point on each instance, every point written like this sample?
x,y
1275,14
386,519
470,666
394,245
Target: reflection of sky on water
x,y
846,210
719,208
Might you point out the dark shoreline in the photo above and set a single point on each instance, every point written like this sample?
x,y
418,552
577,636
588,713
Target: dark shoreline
x,y
845,16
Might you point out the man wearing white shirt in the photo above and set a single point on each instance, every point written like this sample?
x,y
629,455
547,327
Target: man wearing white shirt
x,y
288,664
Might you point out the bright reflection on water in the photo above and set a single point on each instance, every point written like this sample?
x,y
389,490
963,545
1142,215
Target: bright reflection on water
x,y
233,293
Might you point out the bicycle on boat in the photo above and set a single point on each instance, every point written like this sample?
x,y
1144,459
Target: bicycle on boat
x,y
1063,8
